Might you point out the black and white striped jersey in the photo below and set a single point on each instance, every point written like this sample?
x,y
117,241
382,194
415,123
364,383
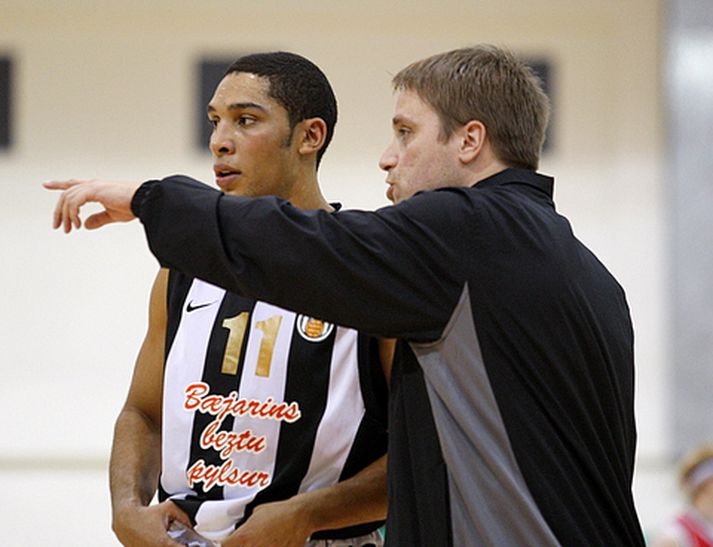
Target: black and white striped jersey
x,y
260,404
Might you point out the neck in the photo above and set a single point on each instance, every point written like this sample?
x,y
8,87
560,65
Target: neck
x,y
486,164
311,198
487,170
308,195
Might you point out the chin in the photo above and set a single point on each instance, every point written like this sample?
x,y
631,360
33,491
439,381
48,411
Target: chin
x,y
234,190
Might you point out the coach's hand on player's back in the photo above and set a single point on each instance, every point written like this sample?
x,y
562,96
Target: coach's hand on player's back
x,y
115,197
141,526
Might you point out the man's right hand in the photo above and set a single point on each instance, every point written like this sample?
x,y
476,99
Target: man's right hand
x,y
115,197
141,526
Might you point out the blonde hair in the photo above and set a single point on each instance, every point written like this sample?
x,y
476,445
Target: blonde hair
x,y
690,465
488,84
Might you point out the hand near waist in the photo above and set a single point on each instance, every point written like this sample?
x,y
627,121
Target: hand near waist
x,y
278,524
141,526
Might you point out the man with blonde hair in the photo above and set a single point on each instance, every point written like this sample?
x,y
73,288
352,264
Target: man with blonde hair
x,y
511,416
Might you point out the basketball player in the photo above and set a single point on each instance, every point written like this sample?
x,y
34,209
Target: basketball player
x,y
254,414
511,419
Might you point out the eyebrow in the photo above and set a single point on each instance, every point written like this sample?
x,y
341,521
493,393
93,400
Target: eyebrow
x,y
239,106
398,119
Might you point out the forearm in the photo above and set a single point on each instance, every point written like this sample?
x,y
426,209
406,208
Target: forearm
x,y
357,500
135,460
394,265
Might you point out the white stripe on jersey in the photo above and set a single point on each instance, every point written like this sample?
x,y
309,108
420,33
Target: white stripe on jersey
x,y
184,365
338,428
216,519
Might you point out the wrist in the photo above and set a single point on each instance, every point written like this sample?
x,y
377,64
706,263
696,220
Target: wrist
x,y
124,508
304,513
120,516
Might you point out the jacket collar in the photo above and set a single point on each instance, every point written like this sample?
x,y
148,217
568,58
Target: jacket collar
x,y
514,175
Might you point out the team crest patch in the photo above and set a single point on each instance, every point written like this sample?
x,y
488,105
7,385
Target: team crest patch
x,y
313,330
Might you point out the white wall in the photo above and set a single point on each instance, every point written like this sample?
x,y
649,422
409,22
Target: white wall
x,y
106,89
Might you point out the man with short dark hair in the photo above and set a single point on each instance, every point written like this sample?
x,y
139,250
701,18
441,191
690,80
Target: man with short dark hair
x,y
258,418
512,404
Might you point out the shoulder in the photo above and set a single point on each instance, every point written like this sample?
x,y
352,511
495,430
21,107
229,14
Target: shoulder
x,y
444,208
444,197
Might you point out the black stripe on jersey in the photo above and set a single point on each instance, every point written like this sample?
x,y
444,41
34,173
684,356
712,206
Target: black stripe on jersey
x,y
220,384
307,384
371,439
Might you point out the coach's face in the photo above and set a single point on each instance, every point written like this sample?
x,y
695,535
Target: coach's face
x,y
418,158
251,140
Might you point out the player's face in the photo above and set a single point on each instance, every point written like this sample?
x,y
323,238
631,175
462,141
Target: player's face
x,y
252,150
417,159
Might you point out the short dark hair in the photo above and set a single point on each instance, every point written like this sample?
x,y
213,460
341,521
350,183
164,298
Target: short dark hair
x,y
297,84
489,84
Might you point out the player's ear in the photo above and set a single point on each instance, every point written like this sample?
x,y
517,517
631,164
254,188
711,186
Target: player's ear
x,y
312,133
473,135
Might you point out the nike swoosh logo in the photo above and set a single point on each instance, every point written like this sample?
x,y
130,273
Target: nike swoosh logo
x,y
190,307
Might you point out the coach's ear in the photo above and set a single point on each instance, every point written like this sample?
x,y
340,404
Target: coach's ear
x,y
311,135
472,139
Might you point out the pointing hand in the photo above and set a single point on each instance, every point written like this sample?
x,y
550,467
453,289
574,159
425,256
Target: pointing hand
x,y
115,197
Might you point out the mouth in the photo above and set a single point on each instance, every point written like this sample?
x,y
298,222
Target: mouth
x,y
225,175
390,191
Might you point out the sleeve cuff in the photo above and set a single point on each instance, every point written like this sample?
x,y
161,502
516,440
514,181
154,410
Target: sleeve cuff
x,y
140,197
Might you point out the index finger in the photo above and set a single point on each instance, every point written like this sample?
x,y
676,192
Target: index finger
x,y
57,215
60,184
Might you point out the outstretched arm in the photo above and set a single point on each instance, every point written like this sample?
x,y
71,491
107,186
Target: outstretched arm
x,y
400,264
136,450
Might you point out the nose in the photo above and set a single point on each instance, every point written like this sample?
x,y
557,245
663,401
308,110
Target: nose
x,y
388,158
221,144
